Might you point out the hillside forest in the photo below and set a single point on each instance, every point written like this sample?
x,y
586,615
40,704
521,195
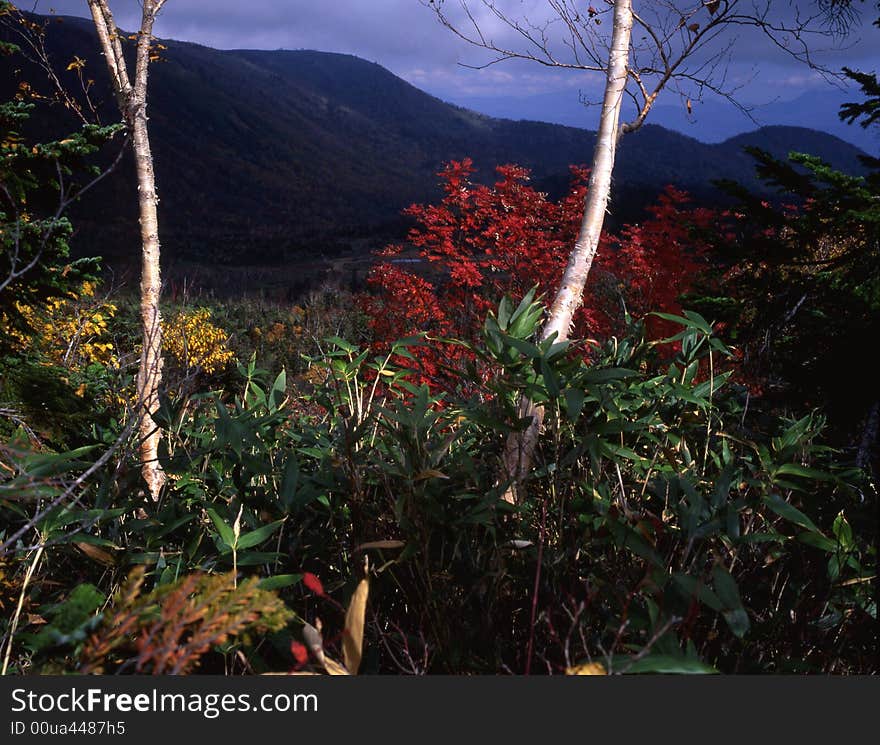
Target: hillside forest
x,y
326,406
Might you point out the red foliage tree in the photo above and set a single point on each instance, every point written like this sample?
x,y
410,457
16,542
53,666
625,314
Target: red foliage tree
x,y
482,242
659,260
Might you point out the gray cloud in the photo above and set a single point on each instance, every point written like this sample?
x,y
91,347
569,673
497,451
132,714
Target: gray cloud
x,y
404,36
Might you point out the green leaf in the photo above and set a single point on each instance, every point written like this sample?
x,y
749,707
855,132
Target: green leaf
x,y
606,375
817,540
663,664
698,589
626,537
256,537
551,381
525,347
279,581
409,341
253,558
524,321
793,469
728,592
341,344
289,481
574,402
691,321
698,321
279,390
843,531
225,531
172,526
790,513
71,620
505,309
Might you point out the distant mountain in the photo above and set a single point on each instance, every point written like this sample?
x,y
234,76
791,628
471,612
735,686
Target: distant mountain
x,y
716,121
274,157
710,121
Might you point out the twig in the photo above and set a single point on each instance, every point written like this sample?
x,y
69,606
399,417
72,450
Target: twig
x,y
14,626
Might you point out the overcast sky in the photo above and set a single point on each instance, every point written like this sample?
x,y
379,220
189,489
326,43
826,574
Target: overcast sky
x,y
405,37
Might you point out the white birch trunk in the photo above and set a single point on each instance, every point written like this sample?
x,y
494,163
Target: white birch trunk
x,y
520,447
132,100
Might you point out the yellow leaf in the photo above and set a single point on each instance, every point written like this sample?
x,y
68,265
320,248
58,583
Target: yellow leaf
x,y
380,545
334,668
588,668
353,638
430,474
96,554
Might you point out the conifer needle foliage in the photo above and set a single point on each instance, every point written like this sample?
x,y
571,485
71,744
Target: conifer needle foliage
x,y
170,629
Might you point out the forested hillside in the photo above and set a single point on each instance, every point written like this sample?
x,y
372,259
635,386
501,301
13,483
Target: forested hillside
x,y
274,157
568,404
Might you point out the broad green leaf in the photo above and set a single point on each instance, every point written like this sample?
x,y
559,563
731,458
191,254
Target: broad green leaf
x,y
551,380
256,537
663,664
790,513
505,309
793,469
279,581
173,525
698,321
698,589
289,481
843,531
341,344
525,347
604,375
728,592
574,402
765,538
817,540
225,531
691,321
253,558
279,390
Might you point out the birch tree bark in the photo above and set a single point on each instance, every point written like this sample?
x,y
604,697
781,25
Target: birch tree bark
x,y
520,446
131,98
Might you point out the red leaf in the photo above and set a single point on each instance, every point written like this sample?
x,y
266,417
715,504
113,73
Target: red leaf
x,y
300,653
313,583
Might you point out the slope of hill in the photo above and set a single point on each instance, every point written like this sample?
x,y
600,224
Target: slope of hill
x,y
713,120
275,157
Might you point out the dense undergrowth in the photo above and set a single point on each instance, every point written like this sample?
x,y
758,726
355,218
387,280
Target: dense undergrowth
x,y
669,525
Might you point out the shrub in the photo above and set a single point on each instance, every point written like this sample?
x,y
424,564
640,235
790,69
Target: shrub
x,y
70,331
480,243
195,342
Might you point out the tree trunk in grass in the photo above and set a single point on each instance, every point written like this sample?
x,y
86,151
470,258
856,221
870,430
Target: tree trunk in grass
x,y
520,446
132,101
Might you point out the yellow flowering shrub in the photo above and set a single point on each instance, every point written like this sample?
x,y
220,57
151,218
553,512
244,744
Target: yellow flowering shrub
x,y
195,342
71,331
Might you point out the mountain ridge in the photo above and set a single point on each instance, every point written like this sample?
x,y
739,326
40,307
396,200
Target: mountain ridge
x,y
273,157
